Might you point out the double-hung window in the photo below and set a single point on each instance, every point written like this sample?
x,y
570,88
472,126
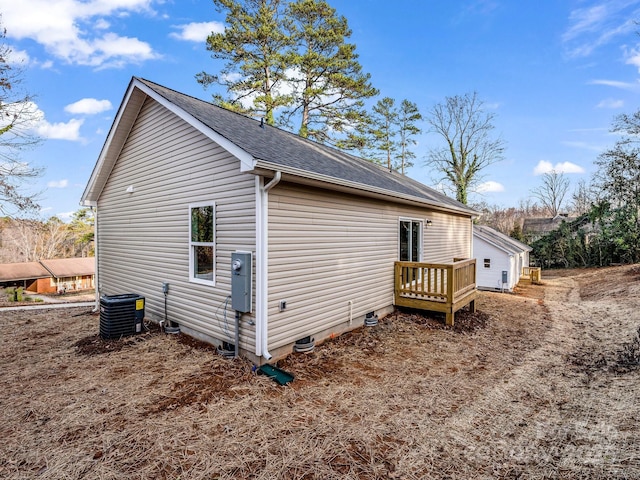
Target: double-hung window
x,y
202,223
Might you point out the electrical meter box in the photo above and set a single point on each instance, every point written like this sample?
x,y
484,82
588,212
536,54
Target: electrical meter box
x,y
504,276
241,277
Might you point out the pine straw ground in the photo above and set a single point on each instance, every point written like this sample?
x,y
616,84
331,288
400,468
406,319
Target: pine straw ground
x,y
541,384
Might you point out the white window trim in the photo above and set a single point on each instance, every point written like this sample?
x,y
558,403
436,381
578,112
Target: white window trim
x,y
193,279
421,235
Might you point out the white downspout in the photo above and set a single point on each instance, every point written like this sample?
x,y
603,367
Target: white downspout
x,y
95,259
262,254
471,252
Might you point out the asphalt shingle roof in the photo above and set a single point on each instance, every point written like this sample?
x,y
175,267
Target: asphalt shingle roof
x,y
11,272
281,148
58,268
500,240
70,267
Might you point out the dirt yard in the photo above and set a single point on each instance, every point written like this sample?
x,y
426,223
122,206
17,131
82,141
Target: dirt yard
x,y
541,384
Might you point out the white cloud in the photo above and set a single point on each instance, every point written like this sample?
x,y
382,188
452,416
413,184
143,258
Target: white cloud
x,y
584,146
631,86
491,106
88,106
114,50
32,119
544,166
64,216
22,58
18,57
58,183
60,131
197,32
598,24
589,130
585,20
490,186
610,103
102,24
632,56
76,31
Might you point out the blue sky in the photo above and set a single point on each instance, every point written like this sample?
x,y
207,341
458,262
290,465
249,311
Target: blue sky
x,y
554,73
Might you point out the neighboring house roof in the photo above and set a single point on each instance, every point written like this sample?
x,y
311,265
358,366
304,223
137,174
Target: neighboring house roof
x,y
70,267
57,268
13,272
542,226
263,149
499,240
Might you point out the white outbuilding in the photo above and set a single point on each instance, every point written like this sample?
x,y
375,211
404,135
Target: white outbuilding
x,y
499,259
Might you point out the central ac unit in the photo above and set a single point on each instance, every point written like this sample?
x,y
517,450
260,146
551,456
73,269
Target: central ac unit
x,y
121,315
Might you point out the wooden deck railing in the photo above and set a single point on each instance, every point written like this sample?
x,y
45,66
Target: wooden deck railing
x,y
534,274
444,287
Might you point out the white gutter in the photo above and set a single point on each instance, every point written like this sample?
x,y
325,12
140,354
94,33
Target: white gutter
x,y
310,178
262,254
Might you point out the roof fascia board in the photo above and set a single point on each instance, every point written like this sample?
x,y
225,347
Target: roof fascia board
x,y
499,246
106,159
517,244
30,277
111,149
305,177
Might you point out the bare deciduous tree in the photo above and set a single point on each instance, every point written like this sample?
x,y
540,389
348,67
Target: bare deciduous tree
x,y
552,191
17,116
583,198
26,240
469,146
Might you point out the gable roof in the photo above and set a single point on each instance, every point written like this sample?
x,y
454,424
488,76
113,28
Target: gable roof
x,y
13,272
542,225
57,268
499,240
263,149
70,267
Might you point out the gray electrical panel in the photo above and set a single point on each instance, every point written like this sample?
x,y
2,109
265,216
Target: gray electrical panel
x,y
504,276
241,281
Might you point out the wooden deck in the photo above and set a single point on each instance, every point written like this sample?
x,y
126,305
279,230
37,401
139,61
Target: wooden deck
x,y
445,287
531,275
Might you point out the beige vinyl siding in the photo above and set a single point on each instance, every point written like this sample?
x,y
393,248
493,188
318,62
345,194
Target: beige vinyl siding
x,y
328,248
448,237
144,236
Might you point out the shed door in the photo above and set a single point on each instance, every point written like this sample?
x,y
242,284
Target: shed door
x,y
410,240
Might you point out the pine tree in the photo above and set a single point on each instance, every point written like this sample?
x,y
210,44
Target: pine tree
x,y
391,134
253,45
407,129
329,85
384,132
